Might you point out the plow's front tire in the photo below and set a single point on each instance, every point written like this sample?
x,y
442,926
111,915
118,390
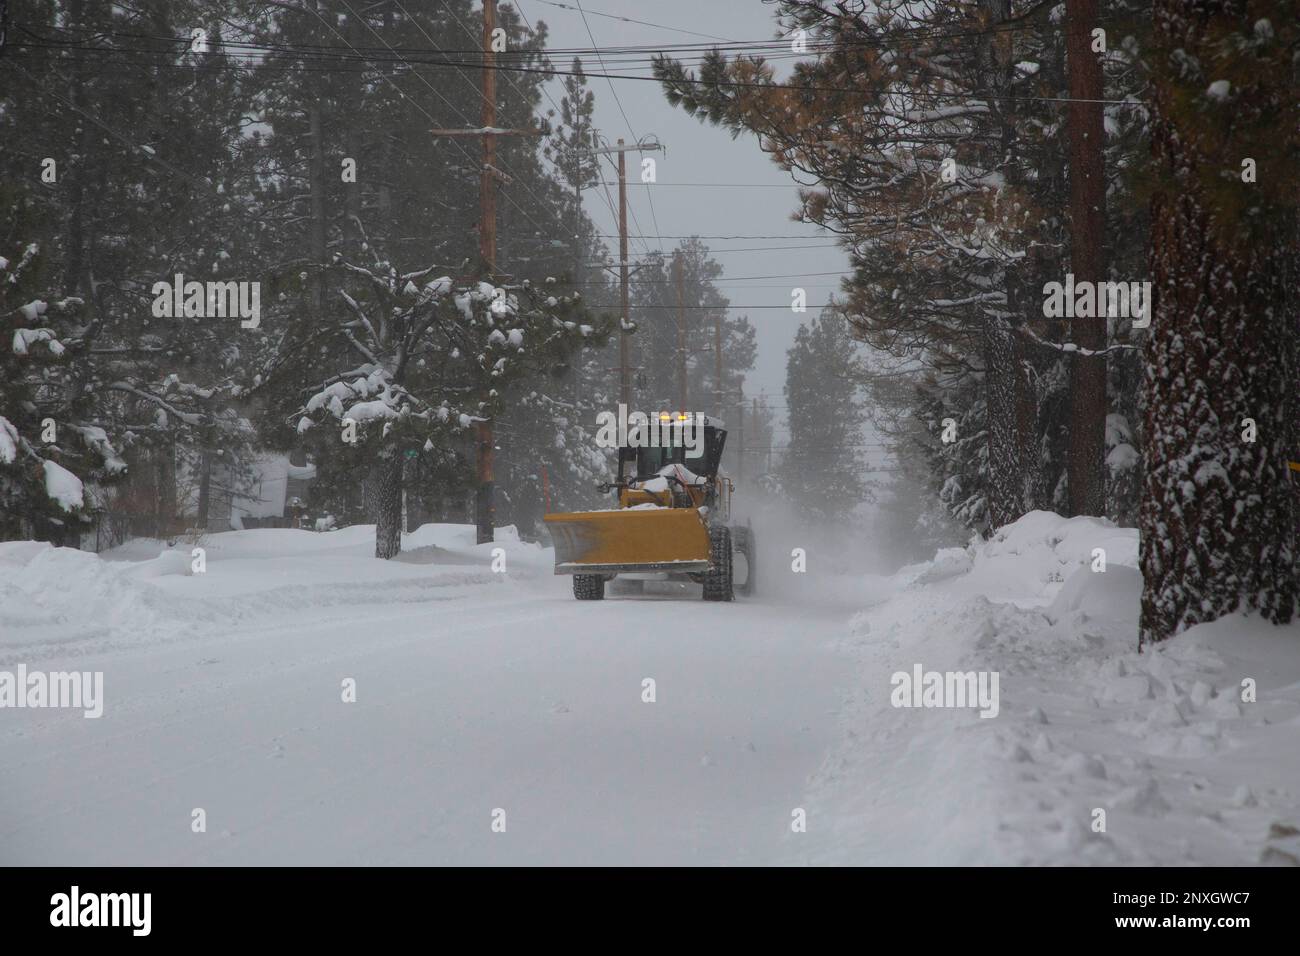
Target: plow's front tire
x,y
743,544
717,580
589,587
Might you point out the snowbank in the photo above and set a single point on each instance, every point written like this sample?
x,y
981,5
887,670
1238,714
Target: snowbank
x,y
64,601
1161,743
60,596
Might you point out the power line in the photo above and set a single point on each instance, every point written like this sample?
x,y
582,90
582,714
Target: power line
x,y
609,201
713,252
202,183
523,98
402,94
687,80
646,23
727,285
635,138
696,235
783,275
738,185
438,94
769,46
710,308
631,210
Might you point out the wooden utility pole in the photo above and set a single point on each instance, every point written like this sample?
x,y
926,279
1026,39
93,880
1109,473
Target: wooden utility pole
x,y
1087,448
487,194
485,499
624,367
575,375
485,508
740,439
624,359
717,361
681,334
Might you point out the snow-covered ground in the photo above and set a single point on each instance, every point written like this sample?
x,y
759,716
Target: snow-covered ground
x,y
1184,770
479,690
475,691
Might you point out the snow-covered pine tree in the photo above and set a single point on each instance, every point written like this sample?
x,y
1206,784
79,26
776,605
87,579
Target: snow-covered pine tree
x,y
388,184
1218,517
127,159
822,470
547,442
417,359
570,149
654,310
920,125
48,449
750,441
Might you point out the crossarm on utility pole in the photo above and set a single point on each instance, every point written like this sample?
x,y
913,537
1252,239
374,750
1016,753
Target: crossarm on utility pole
x,y
488,130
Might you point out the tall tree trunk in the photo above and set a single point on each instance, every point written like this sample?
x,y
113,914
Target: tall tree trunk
x,y
1031,461
1050,443
1005,387
384,190
78,267
1087,448
1218,515
165,488
417,513
316,185
388,518
205,489
352,194
1005,475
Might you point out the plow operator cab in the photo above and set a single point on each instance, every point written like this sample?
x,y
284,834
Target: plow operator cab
x,y
672,519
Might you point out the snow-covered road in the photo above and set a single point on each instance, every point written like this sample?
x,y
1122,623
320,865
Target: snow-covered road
x,y
489,696
474,692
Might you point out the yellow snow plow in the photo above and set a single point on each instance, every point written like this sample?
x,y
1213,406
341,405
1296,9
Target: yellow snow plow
x,y
671,519
610,542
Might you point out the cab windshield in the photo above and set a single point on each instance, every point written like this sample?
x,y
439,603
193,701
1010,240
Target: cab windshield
x,y
649,461
646,462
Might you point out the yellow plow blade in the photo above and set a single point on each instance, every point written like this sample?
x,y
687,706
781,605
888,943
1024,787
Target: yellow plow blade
x,y
631,540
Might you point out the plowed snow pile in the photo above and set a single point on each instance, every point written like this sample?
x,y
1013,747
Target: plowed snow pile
x,y
1184,769
69,602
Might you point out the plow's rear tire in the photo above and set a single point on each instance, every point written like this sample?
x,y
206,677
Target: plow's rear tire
x,y
589,587
717,580
743,543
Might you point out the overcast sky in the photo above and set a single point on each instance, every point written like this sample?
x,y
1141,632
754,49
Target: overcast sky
x,y
757,197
